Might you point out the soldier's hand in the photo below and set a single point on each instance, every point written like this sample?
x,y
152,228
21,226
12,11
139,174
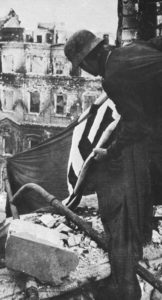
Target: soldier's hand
x,y
99,154
114,164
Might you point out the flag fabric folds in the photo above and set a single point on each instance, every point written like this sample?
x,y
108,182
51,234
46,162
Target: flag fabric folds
x,y
56,163
85,137
45,165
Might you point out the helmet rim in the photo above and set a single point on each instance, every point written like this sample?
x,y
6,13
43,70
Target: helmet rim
x,y
79,58
86,40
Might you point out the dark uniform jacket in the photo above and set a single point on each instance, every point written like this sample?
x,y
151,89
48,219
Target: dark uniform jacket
x,y
133,80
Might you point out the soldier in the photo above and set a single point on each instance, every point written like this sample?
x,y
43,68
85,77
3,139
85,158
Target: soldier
x,y
132,79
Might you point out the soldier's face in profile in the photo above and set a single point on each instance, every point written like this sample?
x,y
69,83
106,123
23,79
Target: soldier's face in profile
x,y
90,65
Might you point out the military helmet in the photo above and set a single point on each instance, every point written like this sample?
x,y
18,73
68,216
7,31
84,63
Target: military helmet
x,y
79,45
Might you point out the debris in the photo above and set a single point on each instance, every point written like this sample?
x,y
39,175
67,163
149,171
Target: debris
x,y
87,241
72,241
78,238
89,256
63,228
156,237
35,253
38,231
31,289
47,220
160,227
156,295
2,218
3,199
155,264
2,263
4,228
158,211
93,244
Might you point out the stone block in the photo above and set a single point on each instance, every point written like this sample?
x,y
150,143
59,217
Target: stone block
x,y
63,228
36,254
47,220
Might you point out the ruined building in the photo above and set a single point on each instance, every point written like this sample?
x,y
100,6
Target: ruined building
x,y
39,92
38,95
138,19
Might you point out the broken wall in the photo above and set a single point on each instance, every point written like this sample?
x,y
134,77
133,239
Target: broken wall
x,y
53,100
13,57
37,58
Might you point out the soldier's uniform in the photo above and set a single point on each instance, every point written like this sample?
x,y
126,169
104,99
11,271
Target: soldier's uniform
x,y
133,80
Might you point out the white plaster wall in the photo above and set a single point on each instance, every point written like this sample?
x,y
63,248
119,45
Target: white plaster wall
x,y
40,32
58,55
37,59
13,58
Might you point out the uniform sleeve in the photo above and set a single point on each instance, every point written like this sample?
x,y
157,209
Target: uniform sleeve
x,y
128,134
133,126
131,83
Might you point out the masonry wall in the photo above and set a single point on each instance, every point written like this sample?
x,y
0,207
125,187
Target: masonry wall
x,y
76,94
138,19
60,64
37,58
13,57
38,98
16,137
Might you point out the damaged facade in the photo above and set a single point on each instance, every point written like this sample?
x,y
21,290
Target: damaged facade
x,y
138,19
38,95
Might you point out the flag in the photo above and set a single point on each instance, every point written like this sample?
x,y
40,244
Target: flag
x,y
51,166
86,136
45,165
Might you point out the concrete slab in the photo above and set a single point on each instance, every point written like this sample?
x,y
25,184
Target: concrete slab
x,y
37,251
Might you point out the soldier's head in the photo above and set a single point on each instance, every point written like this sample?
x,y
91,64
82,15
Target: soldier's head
x,y
83,50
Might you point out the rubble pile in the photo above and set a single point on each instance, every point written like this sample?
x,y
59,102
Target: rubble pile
x,y
152,259
90,255
93,262
75,240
